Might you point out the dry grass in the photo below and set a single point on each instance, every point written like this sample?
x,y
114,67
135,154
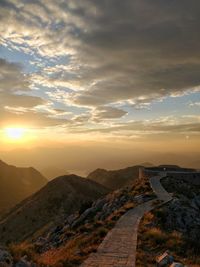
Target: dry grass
x,y
153,240
86,238
75,251
19,250
128,206
156,236
54,257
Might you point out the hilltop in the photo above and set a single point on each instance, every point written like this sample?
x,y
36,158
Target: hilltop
x,y
60,197
115,179
52,172
18,183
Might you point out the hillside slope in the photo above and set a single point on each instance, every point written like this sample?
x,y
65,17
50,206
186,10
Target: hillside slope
x,y
70,241
60,197
115,179
17,184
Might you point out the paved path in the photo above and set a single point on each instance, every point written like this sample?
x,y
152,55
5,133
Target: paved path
x,y
118,249
156,186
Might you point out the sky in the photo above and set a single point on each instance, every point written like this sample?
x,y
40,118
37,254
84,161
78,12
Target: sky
x,y
100,76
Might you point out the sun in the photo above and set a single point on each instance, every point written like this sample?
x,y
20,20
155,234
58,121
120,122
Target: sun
x,y
15,133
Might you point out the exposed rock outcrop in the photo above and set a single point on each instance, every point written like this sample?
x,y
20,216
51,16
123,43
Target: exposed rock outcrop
x,y
104,211
6,260
182,214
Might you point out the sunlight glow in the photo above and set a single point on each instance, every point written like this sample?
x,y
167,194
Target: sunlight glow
x,y
15,133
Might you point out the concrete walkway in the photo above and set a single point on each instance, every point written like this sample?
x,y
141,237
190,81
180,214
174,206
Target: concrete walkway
x,y
157,188
118,249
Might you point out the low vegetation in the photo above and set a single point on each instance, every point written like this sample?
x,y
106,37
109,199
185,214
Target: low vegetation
x,y
174,227
69,244
154,240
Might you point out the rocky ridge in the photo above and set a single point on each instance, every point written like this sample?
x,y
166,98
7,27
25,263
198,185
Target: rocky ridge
x,y
98,211
60,197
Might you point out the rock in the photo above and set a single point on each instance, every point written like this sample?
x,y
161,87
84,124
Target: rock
x,y
40,241
71,218
164,259
6,259
25,263
182,215
98,212
97,206
176,264
57,229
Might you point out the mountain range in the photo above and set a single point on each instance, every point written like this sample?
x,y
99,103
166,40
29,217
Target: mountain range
x,y
54,200
68,217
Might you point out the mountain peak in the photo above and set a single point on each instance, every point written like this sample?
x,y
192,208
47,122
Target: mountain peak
x,y
59,197
115,179
2,163
18,183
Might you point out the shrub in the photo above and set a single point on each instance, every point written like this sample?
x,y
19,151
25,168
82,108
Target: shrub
x,y
156,235
102,232
19,250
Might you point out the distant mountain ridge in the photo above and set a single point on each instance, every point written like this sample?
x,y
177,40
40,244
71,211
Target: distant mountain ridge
x,y
53,172
115,179
60,197
17,183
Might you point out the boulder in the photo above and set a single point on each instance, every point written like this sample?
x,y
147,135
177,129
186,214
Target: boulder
x,y
176,264
6,259
164,259
25,263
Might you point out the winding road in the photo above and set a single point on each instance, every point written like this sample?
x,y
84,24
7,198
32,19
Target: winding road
x,y
118,249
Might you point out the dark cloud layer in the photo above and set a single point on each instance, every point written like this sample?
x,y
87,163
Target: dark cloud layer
x,y
14,104
141,49
13,84
103,113
12,78
131,51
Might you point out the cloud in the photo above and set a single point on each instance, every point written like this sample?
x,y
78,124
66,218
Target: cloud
x,y
12,78
30,119
16,106
14,87
111,52
81,119
161,126
194,104
124,50
102,113
25,101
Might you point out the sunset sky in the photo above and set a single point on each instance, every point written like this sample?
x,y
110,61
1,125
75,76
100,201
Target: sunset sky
x,y
122,73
